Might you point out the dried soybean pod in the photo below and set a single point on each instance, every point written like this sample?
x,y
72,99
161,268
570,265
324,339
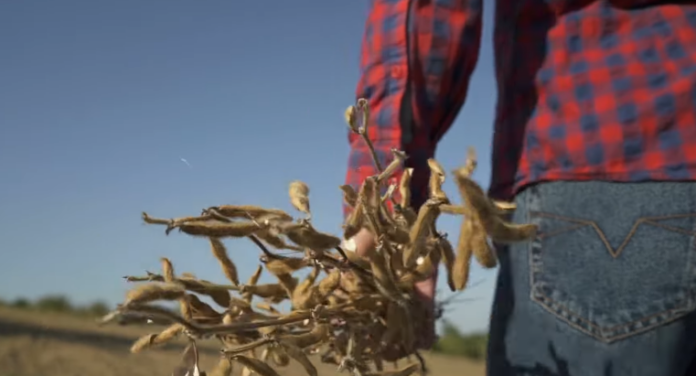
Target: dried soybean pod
x,y
151,340
437,178
474,196
300,293
220,297
405,188
267,307
329,284
219,229
169,276
399,158
427,215
483,252
424,268
503,206
496,227
223,368
396,263
247,347
228,267
437,169
200,308
319,333
393,318
167,270
373,195
383,278
288,282
308,237
272,238
409,215
246,211
351,118
299,356
279,356
371,219
385,216
303,295
356,220
350,196
386,285
447,256
398,234
253,280
228,318
154,221
255,365
299,196
154,291
191,283
389,194
273,291
286,265
469,165
201,218
453,209
312,276
503,232
462,261
265,354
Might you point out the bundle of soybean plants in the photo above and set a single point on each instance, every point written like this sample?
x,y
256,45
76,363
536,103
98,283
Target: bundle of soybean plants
x,y
349,310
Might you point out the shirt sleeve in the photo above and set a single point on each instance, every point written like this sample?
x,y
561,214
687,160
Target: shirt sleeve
x,y
416,61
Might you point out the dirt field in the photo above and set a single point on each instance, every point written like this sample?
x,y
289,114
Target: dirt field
x,y
34,344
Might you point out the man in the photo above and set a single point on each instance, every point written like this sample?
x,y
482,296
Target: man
x,y
594,140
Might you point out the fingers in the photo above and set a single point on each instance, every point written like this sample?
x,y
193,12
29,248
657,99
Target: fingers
x,y
426,288
363,242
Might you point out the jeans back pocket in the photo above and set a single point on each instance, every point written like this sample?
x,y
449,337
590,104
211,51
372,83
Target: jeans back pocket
x,y
613,281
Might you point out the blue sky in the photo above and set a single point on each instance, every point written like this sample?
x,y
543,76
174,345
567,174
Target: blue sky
x,y
99,101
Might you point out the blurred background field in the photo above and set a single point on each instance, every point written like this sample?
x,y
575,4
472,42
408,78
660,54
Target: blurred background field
x,y
50,336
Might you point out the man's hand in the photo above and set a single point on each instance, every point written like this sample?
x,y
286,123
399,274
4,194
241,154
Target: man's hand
x,y
425,290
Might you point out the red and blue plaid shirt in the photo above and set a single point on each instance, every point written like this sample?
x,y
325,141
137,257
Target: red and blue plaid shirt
x,y
587,89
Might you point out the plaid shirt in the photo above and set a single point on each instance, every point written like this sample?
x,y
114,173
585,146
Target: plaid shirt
x,y
587,89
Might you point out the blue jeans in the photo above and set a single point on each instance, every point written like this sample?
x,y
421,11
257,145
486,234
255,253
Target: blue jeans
x,y
607,288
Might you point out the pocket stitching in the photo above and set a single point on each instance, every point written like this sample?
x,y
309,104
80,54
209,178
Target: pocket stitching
x,y
544,300
608,329
654,221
